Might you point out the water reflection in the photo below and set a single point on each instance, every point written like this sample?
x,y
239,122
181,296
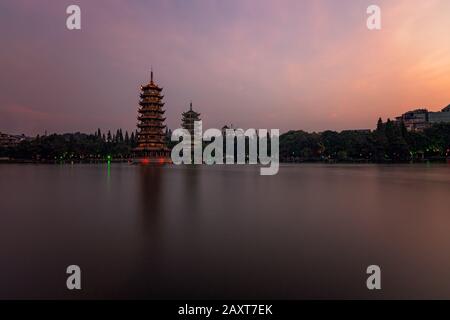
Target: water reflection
x,y
225,231
151,191
191,189
108,170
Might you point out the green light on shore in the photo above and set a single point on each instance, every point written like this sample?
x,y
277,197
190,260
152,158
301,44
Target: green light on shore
x,y
109,157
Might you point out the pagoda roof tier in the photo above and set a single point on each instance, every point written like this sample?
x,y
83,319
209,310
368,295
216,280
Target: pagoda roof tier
x,y
147,141
154,140
157,103
190,113
157,135
151,106
190,117
160,147
151,94
151,131
150,118
150,125
151,86
152,115
150,142
145,109
149,89
148,101
148,145
152,97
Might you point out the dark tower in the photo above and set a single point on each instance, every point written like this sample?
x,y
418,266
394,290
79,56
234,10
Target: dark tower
x,y
188,118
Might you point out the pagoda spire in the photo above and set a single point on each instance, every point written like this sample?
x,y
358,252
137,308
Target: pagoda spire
x,y
151,74
190,106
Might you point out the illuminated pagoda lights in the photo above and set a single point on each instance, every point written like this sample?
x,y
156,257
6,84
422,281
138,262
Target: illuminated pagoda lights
x,y
151,136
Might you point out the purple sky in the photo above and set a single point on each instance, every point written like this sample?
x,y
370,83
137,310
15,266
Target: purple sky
x,y
300,64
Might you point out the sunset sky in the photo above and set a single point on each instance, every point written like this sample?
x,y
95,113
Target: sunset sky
x,y
300,64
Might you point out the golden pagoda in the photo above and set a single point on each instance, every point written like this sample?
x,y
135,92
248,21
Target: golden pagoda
x,y
151,136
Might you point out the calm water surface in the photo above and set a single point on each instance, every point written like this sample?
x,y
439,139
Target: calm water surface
x,y
224,232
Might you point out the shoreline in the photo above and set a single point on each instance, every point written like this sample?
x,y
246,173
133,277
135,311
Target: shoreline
x,y
131,161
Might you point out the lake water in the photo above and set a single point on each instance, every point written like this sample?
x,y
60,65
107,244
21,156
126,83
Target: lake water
x,y
225,231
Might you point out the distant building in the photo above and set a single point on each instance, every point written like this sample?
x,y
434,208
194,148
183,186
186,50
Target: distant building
x,y
421,119
416,120
440,117
8,140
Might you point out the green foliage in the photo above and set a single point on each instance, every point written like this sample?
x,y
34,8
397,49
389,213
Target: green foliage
x,y
389,142
75,147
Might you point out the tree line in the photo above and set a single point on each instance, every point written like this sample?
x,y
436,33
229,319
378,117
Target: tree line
x,y
389,142
75,147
